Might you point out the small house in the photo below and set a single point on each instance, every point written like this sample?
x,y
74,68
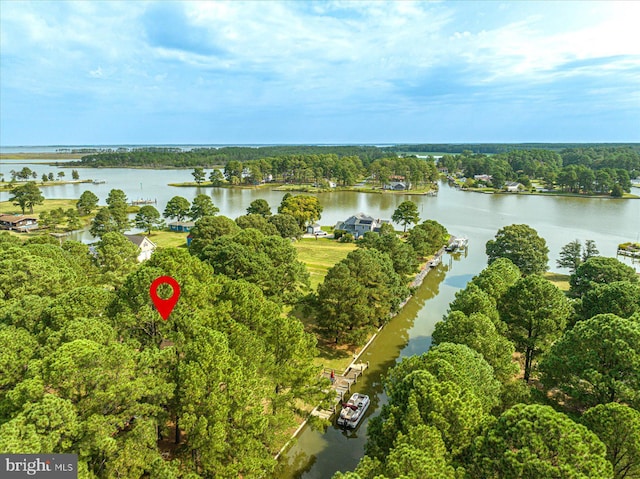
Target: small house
x,y
18,222
315,229
147,247
181,226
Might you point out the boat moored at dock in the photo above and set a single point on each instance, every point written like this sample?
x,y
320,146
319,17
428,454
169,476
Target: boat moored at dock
x,y
353,410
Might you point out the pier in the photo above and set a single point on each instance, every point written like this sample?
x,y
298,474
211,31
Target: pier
x,y
342,386
144,202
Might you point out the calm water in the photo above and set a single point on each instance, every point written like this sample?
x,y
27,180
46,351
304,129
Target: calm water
x,y
473,215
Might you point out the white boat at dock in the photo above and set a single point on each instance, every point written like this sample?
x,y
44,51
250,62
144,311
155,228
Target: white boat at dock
x,y
353,411
457,244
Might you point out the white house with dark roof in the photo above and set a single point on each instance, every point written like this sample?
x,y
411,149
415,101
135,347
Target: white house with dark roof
x,y
147,247
360,224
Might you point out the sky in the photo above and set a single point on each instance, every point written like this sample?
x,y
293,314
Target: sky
x,y
296,72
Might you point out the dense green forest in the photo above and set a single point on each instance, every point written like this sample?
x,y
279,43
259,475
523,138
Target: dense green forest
x,y
207,157
88,366
522,380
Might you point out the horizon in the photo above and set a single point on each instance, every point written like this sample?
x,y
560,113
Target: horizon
x,y
318,73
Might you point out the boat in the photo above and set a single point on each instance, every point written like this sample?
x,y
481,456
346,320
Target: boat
x,y
99,182
353,410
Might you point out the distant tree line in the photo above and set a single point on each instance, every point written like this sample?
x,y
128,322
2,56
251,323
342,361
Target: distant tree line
x,y
209,157
495,148
588,170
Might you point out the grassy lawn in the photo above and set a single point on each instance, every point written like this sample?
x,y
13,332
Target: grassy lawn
x,y
320,255
169,239
48,205
560,280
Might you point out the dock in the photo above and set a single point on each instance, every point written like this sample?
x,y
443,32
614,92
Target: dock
x,y
144,202
342,386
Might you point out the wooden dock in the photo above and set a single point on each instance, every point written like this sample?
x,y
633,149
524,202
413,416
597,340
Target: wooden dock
x,y
342,386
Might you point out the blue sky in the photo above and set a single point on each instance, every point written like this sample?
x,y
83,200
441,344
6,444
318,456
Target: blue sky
x,y
318,72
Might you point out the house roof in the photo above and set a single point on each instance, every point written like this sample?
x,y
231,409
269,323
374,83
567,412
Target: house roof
x,y
15,218
360,218
139,239
182,223
512,183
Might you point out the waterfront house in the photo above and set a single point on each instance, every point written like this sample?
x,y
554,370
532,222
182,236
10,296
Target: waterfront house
x,y
18,222
181,226
360,224
396,186
513,186
147,247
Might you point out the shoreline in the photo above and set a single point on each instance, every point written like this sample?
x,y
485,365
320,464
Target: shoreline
x,y
627,196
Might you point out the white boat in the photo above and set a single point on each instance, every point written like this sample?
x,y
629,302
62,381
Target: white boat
x,y
353,410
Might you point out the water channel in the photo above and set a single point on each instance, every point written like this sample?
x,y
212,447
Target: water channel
x,y
473,215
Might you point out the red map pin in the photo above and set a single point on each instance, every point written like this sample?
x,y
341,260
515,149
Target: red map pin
x,y
164,306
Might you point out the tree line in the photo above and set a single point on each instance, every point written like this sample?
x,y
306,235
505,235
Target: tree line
x,y
568,407
27,173
588,170
209,157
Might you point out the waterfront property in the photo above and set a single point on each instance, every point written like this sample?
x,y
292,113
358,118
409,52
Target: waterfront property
x,y
18,222
396,186
147,247
513,186
360,224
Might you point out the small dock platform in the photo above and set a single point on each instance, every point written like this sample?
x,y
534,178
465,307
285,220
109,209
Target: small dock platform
x,y
144,202
342,386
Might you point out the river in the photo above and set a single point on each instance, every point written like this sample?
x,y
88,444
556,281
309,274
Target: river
x,y
476,216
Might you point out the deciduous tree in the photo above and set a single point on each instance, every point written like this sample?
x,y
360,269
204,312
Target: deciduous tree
x,y
304,208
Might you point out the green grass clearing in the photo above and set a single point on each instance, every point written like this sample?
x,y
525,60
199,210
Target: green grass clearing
x,y
320,254
169,239
560,280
